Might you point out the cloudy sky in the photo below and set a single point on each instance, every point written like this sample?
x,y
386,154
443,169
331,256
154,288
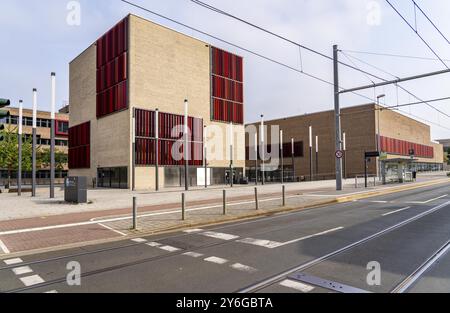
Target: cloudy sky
x,y
37,39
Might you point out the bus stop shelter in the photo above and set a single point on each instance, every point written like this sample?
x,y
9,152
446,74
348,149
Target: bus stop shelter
x,y
398,170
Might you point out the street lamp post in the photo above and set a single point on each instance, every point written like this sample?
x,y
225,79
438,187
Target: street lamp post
x,y
52,136
282,156
157,149
293,159
19,173
311,153
186,145
205,156
263,151
33,187
317,155
231,155
256,158
344,148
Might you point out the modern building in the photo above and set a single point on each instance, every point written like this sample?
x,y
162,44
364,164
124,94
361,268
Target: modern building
x,y
445,143
43,140
119,82
365,128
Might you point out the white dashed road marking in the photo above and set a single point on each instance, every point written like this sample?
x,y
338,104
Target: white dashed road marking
x,y
193,231
169,249
274,244
397,211
52,291
139,240
296,285
4,248
193,254
244,268
216,260
32,280
22,270
13,261
154,244
219,235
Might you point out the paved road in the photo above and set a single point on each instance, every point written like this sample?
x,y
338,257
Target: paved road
x,y
318,250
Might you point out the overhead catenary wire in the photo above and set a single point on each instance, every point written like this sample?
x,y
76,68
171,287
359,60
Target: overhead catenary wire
x,y
417,33
217,10
260,55
431,21
394,55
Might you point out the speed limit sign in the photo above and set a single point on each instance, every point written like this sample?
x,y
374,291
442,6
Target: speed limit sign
x,y
339,154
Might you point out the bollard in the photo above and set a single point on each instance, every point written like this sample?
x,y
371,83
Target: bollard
x,y
256,199
134,213
183,207
284,196
224,202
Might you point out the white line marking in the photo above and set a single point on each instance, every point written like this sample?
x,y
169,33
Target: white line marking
x,y
193,254
260,242
13,261
169,248
397,211
154,244
112,229
216,260
32,280
193,231
244,268
274,244
22,270
139,240
4,248
219,235
52,291
428,201
296,285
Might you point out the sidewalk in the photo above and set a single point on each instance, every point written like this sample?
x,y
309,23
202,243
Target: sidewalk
x,y
109,216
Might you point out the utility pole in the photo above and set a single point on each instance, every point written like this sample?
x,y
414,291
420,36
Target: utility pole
x,y
186,145
19,173
282,156
52,140
157,149
337,112
33,187
310,153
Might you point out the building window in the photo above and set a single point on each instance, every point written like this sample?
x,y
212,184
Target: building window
x,y
79,146
112,67
116,177
227,87
62,128
170,131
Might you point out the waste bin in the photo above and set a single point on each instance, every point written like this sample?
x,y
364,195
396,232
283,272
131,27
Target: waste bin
x,y
75,190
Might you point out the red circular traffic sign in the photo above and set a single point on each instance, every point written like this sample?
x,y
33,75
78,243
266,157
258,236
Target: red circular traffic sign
x,y
339,154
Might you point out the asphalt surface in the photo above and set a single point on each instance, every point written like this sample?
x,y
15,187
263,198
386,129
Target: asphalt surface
x,y
332,244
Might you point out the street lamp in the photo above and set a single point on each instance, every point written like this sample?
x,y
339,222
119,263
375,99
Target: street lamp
x,y
282,156
33,188
19,174
311,153
52,136
186,144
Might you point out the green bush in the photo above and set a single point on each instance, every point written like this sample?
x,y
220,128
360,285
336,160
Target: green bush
x,y
448,174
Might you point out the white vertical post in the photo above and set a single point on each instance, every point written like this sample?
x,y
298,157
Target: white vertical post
x,y
311,153
282,156
157,149
317,155
205,156
344,148
133,152
256,158
186,144
20,132
231,139
33,188
52,136
293,159
263,151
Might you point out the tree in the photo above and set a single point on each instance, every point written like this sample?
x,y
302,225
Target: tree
x,y
9,154
61,159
